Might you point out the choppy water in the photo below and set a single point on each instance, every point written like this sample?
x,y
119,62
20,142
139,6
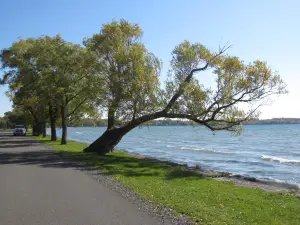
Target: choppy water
x,y
262,151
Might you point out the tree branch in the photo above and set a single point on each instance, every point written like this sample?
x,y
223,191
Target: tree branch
x,y
180,90
74,110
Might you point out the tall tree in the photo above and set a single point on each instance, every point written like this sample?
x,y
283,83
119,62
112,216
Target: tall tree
x,y
21,75
17,116
133,93
54,73
71,72
4,124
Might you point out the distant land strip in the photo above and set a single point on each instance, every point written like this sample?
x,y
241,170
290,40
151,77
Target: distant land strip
x,y
88,122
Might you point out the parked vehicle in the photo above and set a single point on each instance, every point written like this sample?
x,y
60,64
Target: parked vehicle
x,y
19,130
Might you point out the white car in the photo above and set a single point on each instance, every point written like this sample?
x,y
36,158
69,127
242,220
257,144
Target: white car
x,y
19,130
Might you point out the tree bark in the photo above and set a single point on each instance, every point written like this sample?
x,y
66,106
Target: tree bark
x,y
36,128
33,129
111,137
53,130
53,118
44,129
36,124
108,140
64,125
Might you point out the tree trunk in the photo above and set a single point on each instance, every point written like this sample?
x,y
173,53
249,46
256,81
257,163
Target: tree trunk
x,y
36,128
53,118
53,130
107,142
33,129
111,137
64,125
44,129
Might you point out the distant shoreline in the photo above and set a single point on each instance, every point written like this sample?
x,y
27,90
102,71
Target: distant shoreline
x,y
89,122
165,125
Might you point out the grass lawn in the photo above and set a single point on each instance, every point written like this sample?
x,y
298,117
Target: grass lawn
x,y
204,200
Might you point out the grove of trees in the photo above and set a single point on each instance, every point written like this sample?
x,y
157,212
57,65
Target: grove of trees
x,y
113,73
17,116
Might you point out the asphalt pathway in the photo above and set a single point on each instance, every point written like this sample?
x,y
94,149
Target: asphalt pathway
x,y
38,187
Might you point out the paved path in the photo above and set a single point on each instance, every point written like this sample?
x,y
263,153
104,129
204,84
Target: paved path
x,y
35,190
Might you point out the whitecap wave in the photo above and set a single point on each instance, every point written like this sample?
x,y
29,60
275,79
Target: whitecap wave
x,y
78,132
280,160
206,150
170,146
296,171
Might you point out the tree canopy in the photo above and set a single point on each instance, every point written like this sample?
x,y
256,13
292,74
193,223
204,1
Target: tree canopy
x,y
131,71
16,117
134,95
49,74
116,74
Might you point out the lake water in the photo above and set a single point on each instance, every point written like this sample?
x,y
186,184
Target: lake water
x,y
270,152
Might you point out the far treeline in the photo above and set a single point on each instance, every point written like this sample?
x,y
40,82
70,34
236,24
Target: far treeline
x,y
87,122
10,119
112,73
13,118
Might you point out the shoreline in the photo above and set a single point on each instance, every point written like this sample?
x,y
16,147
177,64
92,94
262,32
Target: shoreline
x,y
236,179
269,162
173,189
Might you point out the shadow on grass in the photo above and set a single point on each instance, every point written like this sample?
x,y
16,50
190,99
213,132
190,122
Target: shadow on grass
x,y
132,166
110,164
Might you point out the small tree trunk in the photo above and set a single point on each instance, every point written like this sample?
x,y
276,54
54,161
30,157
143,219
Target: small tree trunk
x,y
36,128
53,118
63,125
44,129
53,130
107,142
33,128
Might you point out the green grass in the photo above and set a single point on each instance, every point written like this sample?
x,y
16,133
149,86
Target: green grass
x,y
204,200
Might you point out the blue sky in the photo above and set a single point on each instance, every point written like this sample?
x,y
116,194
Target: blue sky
x,y
266,30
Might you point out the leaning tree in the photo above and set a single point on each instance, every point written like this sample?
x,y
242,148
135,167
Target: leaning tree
x,y
133,94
